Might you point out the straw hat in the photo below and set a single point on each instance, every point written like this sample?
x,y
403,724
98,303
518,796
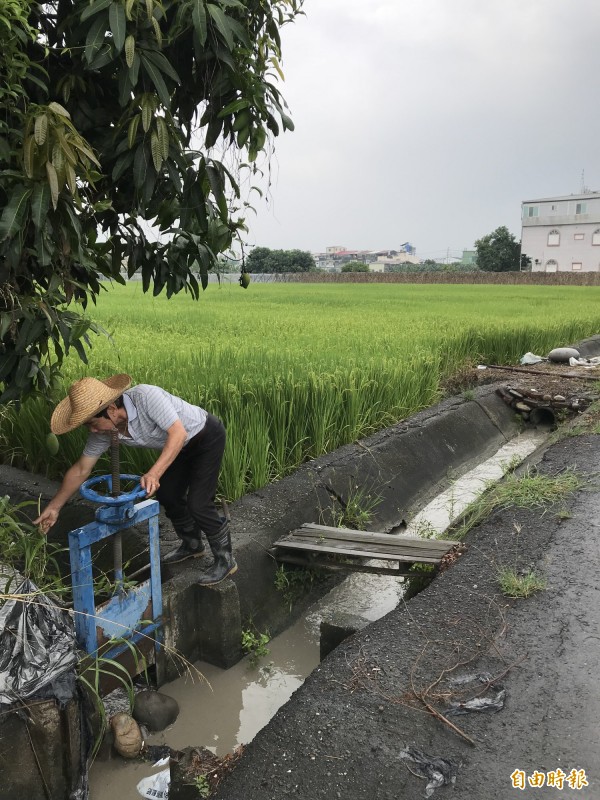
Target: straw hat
x,y
87,398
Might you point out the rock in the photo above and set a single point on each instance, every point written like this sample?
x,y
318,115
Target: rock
x,y
559,398
128,737
563,354
155,710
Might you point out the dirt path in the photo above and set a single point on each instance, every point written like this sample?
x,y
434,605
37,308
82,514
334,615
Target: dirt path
x,y
350,729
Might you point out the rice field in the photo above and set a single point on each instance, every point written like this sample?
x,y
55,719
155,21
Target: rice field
x,y
296,370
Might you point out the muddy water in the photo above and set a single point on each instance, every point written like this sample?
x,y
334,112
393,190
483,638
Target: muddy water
x,y
229,707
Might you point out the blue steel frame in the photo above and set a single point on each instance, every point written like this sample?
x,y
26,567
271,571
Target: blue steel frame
x,y
122,615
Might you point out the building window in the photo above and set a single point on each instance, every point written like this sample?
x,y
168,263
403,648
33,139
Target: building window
x,y
596,236
553,238
581,208
531,211
576,265
551,266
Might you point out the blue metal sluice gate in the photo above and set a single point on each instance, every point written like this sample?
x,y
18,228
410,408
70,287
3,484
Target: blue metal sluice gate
x,y
133,613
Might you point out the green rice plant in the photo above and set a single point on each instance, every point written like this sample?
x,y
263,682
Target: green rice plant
x,y
296,370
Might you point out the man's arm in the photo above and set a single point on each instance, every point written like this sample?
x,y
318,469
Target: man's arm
x,y
176,436
72,480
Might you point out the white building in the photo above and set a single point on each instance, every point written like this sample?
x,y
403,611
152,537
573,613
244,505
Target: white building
x,y
562,234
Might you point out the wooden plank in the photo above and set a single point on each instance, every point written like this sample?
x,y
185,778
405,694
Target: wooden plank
x,y
343,550
386,542
368,550
310,529
369,547
402,571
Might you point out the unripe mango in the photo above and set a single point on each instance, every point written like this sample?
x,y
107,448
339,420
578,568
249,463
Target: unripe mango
x,y
52,444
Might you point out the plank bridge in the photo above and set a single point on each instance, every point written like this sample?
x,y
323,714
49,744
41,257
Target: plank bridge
x,y
339,549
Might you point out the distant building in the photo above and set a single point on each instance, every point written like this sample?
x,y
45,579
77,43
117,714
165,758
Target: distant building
x,y
562,234
333,259
469,257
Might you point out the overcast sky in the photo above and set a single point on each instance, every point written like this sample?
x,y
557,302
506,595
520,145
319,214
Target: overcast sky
x,y
430,121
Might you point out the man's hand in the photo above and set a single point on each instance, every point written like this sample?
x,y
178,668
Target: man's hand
x,y
46,519
150,483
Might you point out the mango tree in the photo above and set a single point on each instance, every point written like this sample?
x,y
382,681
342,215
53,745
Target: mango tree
x,y
124,127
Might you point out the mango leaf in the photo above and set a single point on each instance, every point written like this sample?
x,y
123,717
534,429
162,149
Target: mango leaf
x,y
216,185
14,212
40,203
199,20
116,18
222,23
141,164
94,7
129,50
53,182
165,66
95,38
231,108
157,79
58,109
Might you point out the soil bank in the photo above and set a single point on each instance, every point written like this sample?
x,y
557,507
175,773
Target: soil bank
x,y
344,732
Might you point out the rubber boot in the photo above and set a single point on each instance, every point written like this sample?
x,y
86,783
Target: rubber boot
x,y
191,547
224,563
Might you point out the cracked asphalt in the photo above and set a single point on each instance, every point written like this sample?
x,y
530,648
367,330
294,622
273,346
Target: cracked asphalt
x,y
388,692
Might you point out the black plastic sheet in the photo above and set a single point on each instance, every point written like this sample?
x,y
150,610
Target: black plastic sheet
x,y
37,647
491,699
436,771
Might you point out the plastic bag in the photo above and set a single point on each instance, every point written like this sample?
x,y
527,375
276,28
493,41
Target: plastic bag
x,y
437,771
37,646
531,358
156,787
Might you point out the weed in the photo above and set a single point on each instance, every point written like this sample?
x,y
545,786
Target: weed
x,y
563,514
426,530
510,465
254,644
469,394
202,785
517,585
356,511
92,669
295,583
28,551
530,490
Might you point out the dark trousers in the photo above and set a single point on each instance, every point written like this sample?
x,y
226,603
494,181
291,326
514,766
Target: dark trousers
x,y
188,487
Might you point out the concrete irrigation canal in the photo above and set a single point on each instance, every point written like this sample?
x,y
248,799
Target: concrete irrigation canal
x,y
456,689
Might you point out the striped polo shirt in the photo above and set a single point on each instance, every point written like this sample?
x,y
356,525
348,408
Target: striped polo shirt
x,y
150,413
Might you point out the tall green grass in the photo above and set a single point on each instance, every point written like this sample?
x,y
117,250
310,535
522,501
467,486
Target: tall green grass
x,y
297,370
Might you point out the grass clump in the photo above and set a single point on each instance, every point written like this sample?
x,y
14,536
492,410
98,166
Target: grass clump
x,y
354,511
529,490
294,583
520,585
26,550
